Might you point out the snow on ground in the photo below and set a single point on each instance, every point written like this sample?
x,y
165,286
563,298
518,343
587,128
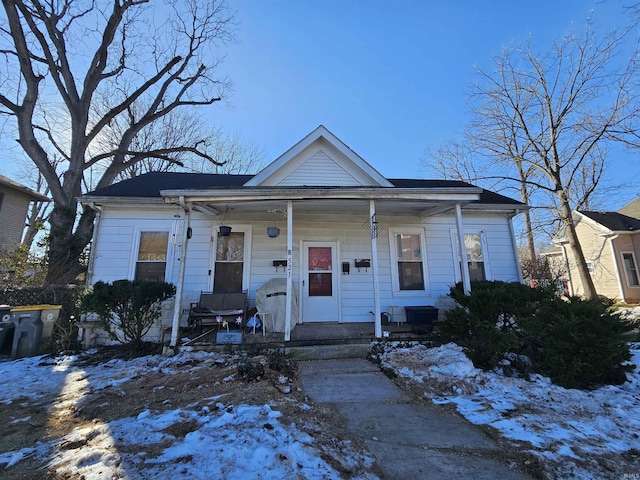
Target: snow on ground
x,y
223,441
580,434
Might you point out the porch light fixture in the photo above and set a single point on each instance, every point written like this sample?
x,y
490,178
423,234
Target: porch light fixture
x,y
225,229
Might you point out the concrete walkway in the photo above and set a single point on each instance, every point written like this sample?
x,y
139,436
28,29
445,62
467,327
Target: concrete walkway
x,y
408,441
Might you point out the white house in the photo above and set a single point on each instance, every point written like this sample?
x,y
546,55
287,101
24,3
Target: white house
x,y
334,212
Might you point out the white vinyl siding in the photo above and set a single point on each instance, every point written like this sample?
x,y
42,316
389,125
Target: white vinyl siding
x,y
116,241
319,169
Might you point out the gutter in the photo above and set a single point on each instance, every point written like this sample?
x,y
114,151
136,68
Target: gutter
x,y
456,194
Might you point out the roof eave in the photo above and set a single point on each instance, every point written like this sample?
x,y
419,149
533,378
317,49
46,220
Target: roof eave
x,y
117,200
451,194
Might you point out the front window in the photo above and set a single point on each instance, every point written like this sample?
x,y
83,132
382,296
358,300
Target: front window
x,y
151,264
229,265
630,269
409,258
475,259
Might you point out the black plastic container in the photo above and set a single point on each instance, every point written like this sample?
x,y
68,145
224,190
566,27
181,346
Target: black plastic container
x,y
422,318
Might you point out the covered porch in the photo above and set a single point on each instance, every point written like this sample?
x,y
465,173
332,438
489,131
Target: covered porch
x,y
305,216
307,335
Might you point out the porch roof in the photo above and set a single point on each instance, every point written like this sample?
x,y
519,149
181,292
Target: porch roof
x,y
200,187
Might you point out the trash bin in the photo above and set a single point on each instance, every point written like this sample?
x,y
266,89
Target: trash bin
x,y
49,317
6,337
422,318
27,334
5,313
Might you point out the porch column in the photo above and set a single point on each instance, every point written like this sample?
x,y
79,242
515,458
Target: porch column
x,y
177,308
515,248
374,269
462,251
287,321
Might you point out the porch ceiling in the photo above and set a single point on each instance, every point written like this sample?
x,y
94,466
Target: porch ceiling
x,y
332,206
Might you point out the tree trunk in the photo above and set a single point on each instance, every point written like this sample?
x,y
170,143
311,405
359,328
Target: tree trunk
x,y
576,248
66,247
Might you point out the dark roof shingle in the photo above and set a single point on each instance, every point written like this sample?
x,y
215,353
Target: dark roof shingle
x,y
614,221
150,184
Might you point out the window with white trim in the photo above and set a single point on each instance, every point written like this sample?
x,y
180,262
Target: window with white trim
x,y
229,263
475,257
630,269
590,267
476,253
151,261
408,260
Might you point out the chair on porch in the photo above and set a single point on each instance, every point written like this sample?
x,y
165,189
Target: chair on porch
x,y
226,305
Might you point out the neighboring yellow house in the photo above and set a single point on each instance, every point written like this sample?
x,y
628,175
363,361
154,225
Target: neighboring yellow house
x,y
611,245
14,205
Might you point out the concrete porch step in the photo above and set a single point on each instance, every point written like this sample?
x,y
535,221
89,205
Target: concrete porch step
x,y
329,352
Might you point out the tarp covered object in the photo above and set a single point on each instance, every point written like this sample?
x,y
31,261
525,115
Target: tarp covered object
x,y
272,297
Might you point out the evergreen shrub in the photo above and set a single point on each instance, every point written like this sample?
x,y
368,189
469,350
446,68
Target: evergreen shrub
x,y
578,344
128,308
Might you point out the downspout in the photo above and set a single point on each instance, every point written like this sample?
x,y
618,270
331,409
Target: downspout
x,y
514,243
94,243
464,265
177,307
287,321
374,266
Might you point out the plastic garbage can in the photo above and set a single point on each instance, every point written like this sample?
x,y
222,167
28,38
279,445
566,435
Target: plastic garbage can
x,y
5,313
6,337
49,317
27,335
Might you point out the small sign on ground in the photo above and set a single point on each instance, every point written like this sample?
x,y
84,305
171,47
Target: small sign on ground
x,y
229,338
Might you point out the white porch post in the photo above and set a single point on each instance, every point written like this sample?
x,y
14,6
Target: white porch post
x,y
515,249
464,266
177,308
374,270
287,322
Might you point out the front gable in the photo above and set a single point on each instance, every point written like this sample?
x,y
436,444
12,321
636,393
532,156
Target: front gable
x,y
319,159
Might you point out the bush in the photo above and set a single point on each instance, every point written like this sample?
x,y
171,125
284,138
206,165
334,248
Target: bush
x,y
128,308
484,344
501,303
578,344
485,322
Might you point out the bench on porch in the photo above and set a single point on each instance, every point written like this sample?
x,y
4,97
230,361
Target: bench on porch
x,y
227,305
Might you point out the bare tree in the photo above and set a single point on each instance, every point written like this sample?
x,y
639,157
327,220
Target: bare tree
x,y
37,215
63,58
234,154
548,118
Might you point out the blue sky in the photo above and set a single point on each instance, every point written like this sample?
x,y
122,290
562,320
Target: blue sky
x,y
389,78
